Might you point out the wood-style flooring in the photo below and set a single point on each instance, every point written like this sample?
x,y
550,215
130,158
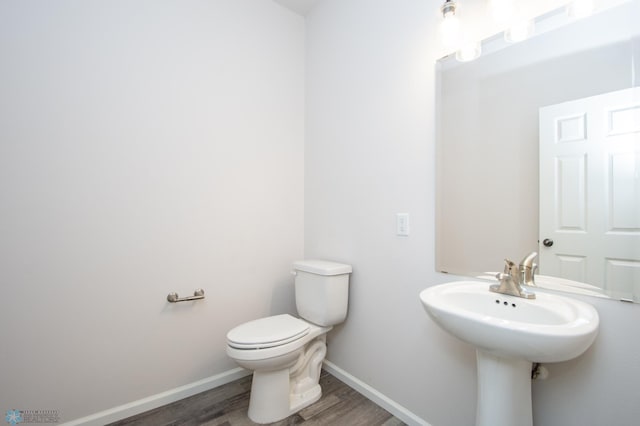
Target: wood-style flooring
x,y
227,405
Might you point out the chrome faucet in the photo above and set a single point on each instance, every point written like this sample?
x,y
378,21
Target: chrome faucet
x,y
515,276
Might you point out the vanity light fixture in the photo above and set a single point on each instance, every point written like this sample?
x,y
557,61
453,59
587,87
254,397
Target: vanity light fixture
x,y
450,26
520,31
581,8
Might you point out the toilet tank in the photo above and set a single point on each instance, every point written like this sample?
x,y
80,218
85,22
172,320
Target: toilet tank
x,y
322,291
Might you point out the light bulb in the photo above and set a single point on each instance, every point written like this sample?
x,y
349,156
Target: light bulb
x,y
450,26
469,51
450,30
519,31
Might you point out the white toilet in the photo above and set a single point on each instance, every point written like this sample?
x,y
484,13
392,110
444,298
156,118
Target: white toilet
x,y
286,353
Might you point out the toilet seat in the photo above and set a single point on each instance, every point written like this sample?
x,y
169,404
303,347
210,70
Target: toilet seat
x,y
267,332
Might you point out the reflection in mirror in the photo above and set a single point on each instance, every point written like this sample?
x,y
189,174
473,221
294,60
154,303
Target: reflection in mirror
x,y
501,193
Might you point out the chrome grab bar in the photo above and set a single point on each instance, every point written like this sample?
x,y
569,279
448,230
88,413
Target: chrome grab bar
x,y
174,298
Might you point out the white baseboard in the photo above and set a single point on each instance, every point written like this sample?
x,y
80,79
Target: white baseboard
x,y
158,400
391,406
176,394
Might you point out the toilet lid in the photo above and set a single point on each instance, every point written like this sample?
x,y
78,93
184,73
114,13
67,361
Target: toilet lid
x,y
267,332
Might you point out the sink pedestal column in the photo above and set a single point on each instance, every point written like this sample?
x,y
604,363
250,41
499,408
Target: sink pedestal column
x,y
504,391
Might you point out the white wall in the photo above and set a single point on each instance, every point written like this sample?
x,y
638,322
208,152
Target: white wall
x,y
156,146
369,155
145,147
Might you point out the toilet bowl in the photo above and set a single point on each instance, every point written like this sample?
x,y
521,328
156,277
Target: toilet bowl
x,y
286,368
285,352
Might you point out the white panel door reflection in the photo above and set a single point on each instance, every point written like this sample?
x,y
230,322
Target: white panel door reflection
x,y
590,191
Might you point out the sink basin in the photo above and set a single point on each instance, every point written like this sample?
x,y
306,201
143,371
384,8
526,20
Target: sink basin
x,y
510,333
548,328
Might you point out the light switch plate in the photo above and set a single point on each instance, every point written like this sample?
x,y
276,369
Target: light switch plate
x,y
402,224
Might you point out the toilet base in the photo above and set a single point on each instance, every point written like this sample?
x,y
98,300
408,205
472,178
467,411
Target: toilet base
x,y
300,401
267,404
277,394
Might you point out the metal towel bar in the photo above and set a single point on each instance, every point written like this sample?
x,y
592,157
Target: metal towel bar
x,y
197,295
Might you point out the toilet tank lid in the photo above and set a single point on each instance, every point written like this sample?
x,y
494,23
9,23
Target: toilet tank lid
x,y
322,267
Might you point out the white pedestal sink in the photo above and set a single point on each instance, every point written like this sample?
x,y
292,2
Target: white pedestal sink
x,y
510,333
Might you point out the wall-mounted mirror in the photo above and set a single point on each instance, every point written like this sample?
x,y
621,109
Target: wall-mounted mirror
x,y
540,140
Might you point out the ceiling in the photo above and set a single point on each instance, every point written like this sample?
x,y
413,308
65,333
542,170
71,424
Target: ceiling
x,y
300,7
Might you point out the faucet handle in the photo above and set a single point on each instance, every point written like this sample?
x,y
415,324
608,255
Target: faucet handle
x,y
507,265
502,276
510,268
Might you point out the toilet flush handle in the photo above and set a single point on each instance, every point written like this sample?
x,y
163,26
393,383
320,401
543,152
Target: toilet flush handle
x,y
293,272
